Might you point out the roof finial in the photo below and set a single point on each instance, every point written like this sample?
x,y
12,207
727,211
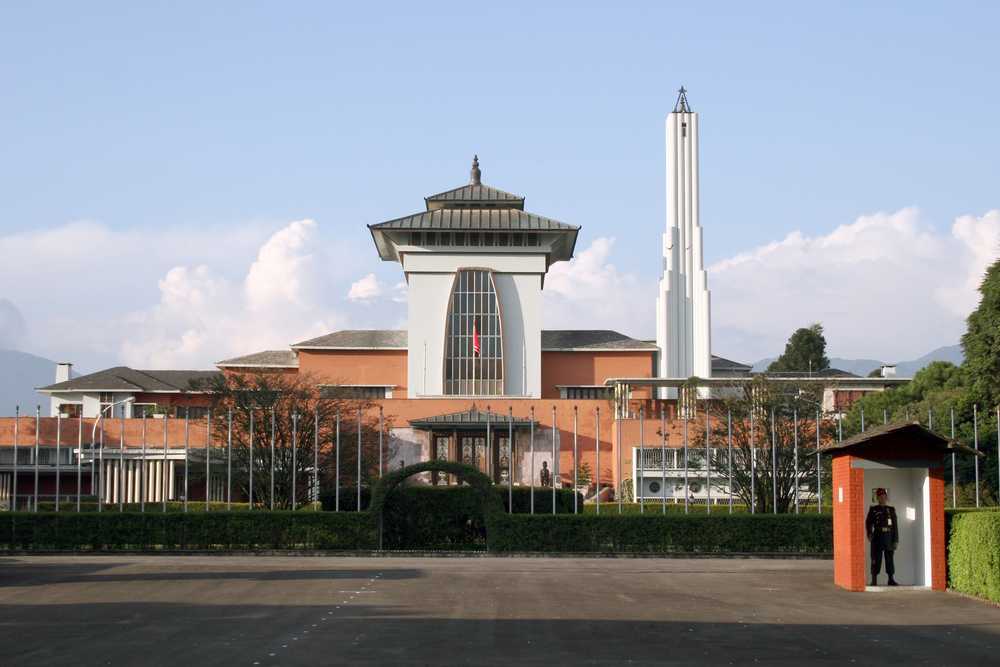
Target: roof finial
x,y
476,174
682,102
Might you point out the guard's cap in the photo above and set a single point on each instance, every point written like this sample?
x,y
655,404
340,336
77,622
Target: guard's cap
x,y
881,492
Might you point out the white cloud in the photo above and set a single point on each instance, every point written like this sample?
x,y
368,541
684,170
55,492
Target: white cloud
x,y
202,317
589,292
886,286
365,290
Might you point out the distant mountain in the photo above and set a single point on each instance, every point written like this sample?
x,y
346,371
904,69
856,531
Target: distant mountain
x,y
952,353
20,373
863,367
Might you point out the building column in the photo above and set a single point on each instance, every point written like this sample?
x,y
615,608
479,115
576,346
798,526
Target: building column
x,y
171,479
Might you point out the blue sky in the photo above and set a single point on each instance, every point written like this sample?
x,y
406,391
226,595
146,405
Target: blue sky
x,y
217,124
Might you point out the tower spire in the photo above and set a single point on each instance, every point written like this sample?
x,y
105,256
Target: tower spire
x,y
475,174
682,102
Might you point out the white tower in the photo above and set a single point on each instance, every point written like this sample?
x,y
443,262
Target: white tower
x,y
683,304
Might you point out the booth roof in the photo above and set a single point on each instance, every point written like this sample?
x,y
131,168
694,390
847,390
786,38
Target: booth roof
x,y
912,430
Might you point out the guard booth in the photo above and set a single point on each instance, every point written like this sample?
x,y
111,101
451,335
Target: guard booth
x,y
908,461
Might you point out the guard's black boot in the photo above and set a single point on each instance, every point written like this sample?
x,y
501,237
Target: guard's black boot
x,y
874,581
892,582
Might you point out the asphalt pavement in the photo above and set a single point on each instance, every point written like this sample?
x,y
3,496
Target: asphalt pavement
x,y
255,610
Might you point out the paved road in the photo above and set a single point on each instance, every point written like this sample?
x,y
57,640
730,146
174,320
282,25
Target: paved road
x,y
186,611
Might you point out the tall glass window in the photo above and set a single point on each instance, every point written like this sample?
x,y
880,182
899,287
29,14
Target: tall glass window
x,y
473,313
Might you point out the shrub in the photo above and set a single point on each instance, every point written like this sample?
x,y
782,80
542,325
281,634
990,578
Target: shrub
x,y
672,533
348,499
111,531
974,553
543,500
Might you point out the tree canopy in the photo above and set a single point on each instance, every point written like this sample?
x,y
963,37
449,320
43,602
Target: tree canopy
x,y
804,352
981,342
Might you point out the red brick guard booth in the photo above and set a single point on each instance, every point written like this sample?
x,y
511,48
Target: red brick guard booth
x,y
908,460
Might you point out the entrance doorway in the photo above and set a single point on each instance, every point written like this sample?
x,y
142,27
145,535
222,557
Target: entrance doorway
x,y
488,456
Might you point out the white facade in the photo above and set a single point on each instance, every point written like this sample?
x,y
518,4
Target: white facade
x,y
518,276
683,303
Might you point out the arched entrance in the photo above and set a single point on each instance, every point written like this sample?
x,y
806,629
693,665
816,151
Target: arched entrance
x,y
489,500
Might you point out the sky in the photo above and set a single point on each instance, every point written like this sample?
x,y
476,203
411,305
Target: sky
x,y
186,182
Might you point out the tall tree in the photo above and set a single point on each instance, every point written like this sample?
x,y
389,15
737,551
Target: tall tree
x,y
981,342
773,429
272,407
804,352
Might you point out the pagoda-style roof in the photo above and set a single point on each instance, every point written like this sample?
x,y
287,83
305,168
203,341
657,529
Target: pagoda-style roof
x,y
487,219
472,419
471,219
474,194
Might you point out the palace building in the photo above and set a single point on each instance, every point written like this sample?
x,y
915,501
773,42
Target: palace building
x,y
475,365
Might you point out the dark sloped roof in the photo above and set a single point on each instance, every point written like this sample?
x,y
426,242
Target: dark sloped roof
x,y
264,359
360,339
723,364
552,340
476,219
474,193
914,432
123,378
594,339
472,418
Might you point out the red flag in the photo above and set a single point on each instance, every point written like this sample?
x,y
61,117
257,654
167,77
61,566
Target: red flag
x,y
475,339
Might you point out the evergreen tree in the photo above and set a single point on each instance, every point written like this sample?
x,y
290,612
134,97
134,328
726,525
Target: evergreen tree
x,y
981,342
804,352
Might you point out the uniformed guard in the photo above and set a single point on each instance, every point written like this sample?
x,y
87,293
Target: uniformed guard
x,y
883,533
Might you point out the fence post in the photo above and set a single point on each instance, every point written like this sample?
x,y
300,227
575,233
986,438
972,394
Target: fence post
x,y
38,421
208,458
597,451
229,461
576,481
686,492
663,460
637,481
17,424
729,430
795,454
295,462
273,430
975,441
336,468
532,443
79,458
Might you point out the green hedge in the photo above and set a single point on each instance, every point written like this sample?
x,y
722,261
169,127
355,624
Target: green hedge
x,y
673,533
543,500
112,531
974,553
451,517
348,499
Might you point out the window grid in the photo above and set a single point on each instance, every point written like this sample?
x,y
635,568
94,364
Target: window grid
x,y
474,300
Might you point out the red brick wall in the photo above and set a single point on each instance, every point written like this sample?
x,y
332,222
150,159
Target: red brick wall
x,y
591,368
849,556
939,577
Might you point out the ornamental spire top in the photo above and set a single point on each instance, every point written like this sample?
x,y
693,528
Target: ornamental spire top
x,y
475,174
682,102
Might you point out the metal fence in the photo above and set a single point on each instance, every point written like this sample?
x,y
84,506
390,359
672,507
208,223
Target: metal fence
x,y
159,472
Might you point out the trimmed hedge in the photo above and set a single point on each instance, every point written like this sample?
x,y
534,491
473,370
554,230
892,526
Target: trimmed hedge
x,y
113,531
974,553
716,533
348,499
451,517
543,500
